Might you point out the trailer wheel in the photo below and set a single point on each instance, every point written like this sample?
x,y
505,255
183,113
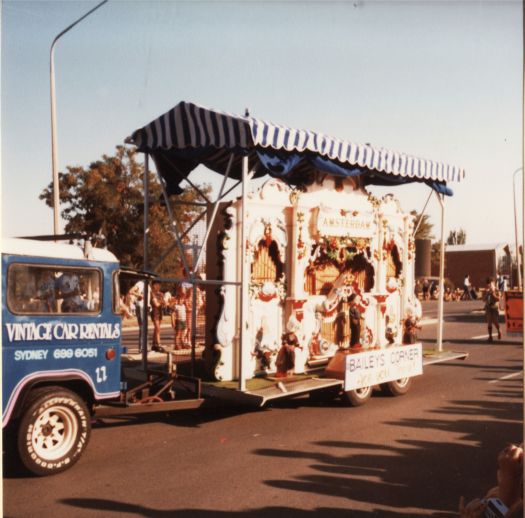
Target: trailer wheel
x,y
358,397
54,430
396,388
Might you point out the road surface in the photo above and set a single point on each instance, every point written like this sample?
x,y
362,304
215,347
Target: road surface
x,y
394,457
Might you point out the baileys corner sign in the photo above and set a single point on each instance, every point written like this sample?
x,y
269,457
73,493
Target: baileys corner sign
x,y
345,223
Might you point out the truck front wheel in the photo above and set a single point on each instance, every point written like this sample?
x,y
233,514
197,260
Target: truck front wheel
x,y
54,430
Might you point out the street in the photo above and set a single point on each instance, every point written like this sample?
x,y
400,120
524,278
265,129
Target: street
x,y
394,457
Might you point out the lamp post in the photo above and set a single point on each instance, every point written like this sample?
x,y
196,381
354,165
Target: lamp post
x,y
54,153
516,224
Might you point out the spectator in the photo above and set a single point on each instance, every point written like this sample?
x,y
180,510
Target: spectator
x,y
425,287
137,294
179,319
434,290
492,297
417,289
509,489
466,288
157,305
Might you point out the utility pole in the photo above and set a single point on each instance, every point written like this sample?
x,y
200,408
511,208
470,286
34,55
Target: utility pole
x,y
54,152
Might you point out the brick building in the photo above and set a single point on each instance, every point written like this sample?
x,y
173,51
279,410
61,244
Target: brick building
x,y
479,261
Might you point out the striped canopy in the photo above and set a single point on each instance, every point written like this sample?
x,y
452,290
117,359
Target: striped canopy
x,y
189,135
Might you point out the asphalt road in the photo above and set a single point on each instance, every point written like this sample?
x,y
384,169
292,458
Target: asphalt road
x,y
394,457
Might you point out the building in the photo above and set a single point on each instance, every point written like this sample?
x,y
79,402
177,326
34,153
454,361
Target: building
x,y
478,261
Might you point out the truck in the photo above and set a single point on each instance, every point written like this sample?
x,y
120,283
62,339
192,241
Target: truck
x,y
283,262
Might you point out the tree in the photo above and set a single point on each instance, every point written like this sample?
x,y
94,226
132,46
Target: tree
x,y
107,199
424,231
457,237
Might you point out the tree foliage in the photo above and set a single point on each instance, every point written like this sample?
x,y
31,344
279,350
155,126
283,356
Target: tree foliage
x,y
457,237
424,230
106,199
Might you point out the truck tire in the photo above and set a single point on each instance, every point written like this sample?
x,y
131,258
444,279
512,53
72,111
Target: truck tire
x,y
54,430
397,388
358,397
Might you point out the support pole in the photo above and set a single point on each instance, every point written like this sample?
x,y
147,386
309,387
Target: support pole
x,y
441,199
144,328
244,278
523,194
518,269
194,288
422,214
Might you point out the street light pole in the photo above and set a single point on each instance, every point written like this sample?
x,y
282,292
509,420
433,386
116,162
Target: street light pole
x,y
54,152
516,224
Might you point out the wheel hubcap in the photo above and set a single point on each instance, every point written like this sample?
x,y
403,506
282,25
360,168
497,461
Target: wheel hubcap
x,y
54,433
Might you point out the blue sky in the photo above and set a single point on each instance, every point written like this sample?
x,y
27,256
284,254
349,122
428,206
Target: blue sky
x,y
440,80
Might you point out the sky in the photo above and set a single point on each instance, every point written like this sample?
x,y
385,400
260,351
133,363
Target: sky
x,y
435,79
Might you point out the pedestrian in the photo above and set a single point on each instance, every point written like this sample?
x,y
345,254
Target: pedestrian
x,y
137,298
179,320
492,297
417,289
355,321
188,301
500,282
433,290
425,286
466,288
157,306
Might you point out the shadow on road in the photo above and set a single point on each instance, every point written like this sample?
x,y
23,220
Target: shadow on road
x,y
106,506
390,480
387,474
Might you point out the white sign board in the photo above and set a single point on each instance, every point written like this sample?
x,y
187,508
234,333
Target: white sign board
x,y
379,366
345,224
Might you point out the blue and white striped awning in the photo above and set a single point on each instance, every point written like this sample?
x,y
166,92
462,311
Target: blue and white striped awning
x,y
189,135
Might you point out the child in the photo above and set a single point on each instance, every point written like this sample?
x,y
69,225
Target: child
x,y
179,320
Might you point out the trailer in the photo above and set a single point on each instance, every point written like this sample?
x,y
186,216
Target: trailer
x,y
309,285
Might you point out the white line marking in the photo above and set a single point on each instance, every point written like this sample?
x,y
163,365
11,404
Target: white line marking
x,y
479,337
507,377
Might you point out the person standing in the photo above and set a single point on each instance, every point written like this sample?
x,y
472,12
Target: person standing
x,y
179,319
157,305
466,288
137,293
492,297
425,287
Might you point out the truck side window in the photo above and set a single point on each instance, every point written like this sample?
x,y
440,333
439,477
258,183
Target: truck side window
x,y
39,289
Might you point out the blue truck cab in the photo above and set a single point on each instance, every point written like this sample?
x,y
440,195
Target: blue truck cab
x,y
61,347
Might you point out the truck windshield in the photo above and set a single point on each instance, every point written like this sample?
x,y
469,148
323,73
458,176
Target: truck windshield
x,y
42,289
